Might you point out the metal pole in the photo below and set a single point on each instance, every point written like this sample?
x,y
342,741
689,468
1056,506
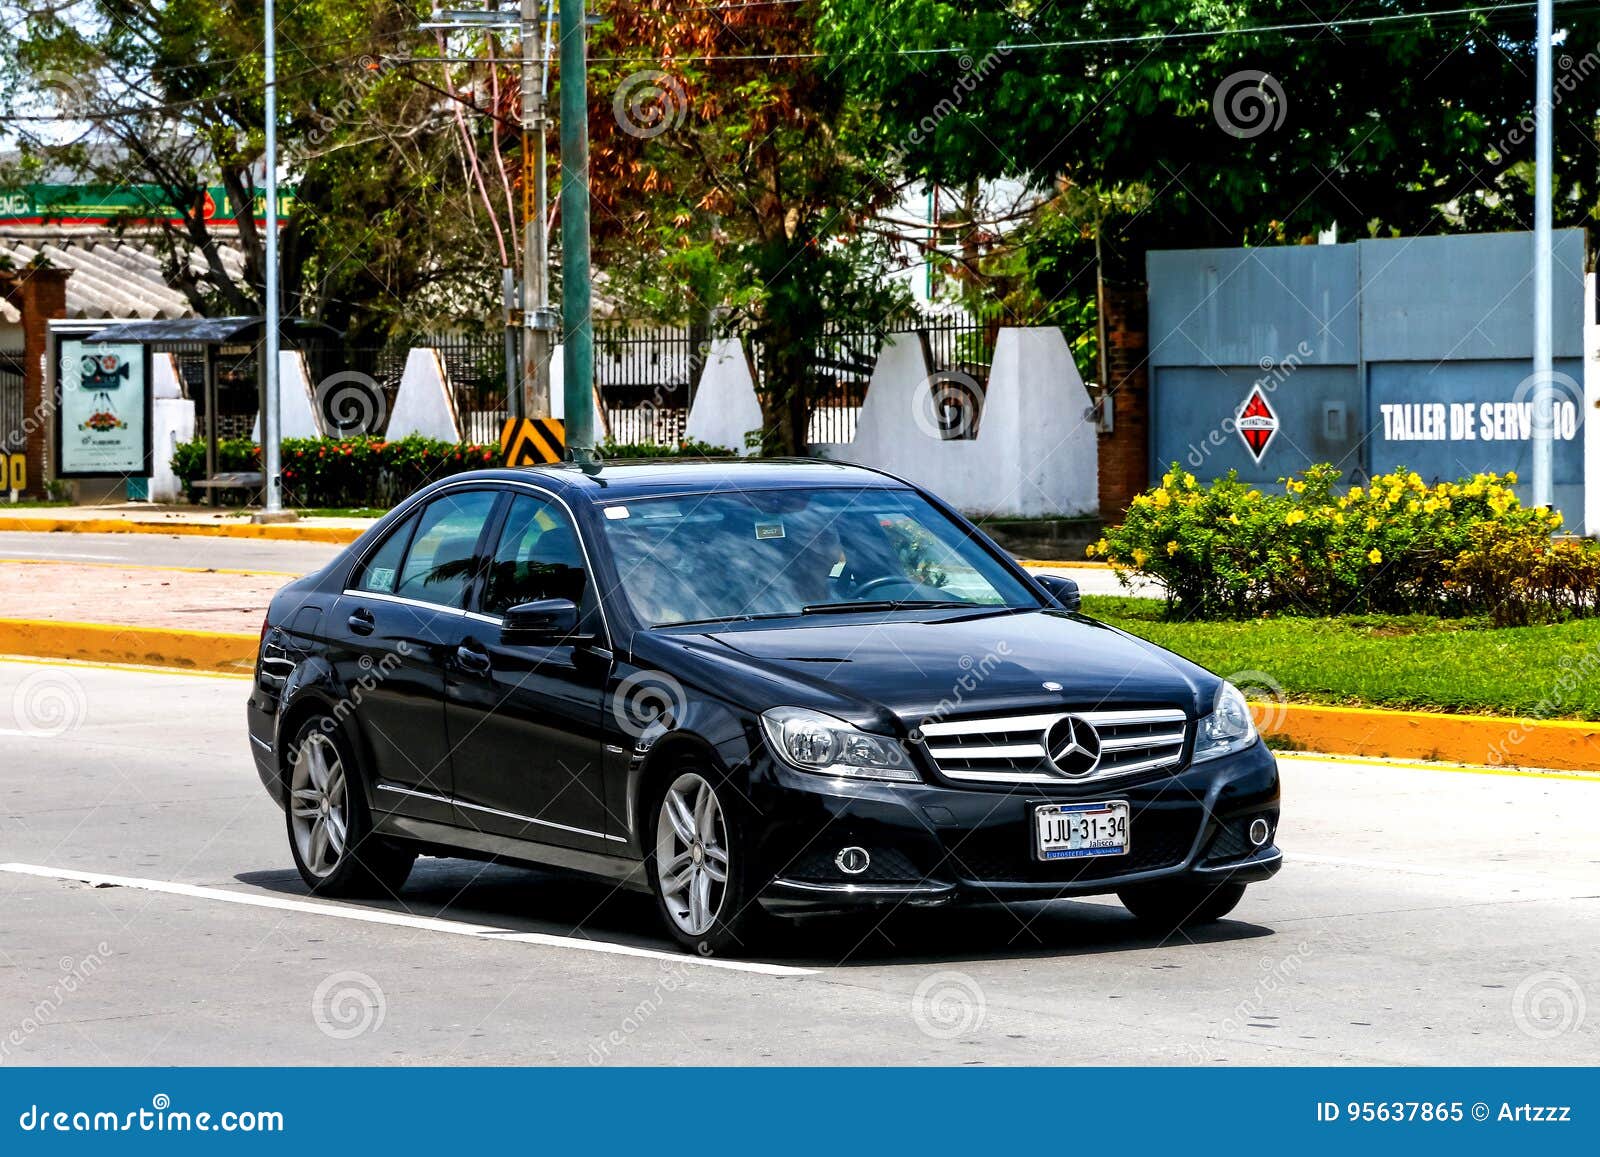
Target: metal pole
x,y
1543,337
578,336
536,321
269,419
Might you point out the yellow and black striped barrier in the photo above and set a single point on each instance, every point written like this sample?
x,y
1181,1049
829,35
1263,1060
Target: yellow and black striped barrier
x,y
532,441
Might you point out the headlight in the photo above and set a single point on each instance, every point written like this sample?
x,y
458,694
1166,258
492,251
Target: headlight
x,y
1229,727
812,741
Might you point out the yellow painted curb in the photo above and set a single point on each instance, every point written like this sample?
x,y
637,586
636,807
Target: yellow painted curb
x,y
143,646
1481,740
284,531
1082,562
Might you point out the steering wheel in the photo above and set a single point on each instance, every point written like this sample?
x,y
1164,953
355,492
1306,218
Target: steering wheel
x,y
885,580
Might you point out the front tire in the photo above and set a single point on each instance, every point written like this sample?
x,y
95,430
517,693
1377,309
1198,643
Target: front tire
x,y
1172,906
699,867
329,824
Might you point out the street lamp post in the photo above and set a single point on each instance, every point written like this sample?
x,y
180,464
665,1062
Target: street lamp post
x,y
269,418
1543,337
576,305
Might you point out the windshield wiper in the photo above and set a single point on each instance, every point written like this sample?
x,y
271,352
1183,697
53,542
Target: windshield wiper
x,y
884,605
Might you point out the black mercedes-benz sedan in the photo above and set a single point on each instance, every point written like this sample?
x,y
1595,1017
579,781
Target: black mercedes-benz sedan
x,y
753,689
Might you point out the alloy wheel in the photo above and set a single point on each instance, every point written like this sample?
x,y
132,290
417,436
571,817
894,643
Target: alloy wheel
x,y
318,805
692,854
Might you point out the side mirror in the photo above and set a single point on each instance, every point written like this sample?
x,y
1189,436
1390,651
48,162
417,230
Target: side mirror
x,y
544,622
1063,590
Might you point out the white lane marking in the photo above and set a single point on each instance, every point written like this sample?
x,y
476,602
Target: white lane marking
x,y
399,920
1439,873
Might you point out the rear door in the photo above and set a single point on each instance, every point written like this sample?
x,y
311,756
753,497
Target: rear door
x,y
399,621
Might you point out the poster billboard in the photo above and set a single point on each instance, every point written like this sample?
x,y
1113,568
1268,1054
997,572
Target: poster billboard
x,y
103,421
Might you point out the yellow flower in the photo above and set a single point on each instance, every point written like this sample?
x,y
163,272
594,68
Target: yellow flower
x,y
1088,551
1188,482
1374,556
1172,549
1355,493
1511,477
1338,519
1413,506
1162,499
1415,480
1394,495
1103,547
1294,517
1233,518
1431,504
1372,523
1139,556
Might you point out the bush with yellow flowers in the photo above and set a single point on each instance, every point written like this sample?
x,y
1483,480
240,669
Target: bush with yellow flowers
x,y
1398,545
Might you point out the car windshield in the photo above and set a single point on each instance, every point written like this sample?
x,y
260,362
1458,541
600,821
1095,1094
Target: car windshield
x,y
771,553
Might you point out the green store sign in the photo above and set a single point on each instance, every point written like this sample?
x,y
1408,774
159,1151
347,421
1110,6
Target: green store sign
x,y
107,204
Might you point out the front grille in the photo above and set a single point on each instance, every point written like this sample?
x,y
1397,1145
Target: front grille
x,y
1012,748
1158,838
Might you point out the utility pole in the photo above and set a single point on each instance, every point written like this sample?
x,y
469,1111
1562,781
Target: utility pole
x,y
576,300
538,324
531,396
1543,336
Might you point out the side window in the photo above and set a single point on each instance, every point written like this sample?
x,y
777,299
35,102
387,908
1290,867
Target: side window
x,y
538,557
383,566
438,566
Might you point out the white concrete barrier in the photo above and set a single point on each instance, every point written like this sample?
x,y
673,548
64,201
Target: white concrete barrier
x,y
424,404
1036,451
299,416
725,406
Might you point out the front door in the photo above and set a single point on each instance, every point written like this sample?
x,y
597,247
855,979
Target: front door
x,y
524,722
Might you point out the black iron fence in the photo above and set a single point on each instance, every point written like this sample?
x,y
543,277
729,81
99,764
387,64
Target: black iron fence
x,y
645,372
13,402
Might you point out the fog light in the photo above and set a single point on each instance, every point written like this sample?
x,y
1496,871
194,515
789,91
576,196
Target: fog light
x,y
852,861
1260,832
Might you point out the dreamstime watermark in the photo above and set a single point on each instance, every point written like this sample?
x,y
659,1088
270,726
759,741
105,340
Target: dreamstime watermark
x,y
1269,702
348,1004
1570,72
159,1117
1274,373
647,700
974,673
1576,674
947,1005
1554,402
1275,974
650,102
1249,103
48,703
948,406
75,972
70,92
351,402
1547,1004
974,71
674,975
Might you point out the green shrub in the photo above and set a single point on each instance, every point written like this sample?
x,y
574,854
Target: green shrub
x,y
688,448
1229,550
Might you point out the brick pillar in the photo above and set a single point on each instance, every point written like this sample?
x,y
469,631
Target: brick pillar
x,y
39,293
1125,452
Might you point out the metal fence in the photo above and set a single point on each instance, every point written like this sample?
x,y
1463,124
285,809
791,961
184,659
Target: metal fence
x,y
13,402
645,373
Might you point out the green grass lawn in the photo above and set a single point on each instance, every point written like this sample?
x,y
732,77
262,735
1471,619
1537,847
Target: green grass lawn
x,y
1411,662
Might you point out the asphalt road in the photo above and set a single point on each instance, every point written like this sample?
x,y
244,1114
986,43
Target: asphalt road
x,y
259,555
1424,917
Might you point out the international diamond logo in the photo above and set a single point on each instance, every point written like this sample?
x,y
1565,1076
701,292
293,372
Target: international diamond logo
x,y
1257,423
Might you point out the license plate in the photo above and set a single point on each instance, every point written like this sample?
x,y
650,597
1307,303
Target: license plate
x,y
1070,831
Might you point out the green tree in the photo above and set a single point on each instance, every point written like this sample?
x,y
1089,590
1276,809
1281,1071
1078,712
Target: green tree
x,y
1230,126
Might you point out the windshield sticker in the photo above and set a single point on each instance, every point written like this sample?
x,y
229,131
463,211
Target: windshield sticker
x,y
769,530
615,512
380,578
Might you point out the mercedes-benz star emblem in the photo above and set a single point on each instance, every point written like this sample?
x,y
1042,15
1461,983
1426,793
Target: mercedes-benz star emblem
x,y
1073,745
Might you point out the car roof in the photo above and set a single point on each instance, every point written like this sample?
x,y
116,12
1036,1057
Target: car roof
x,y
635,479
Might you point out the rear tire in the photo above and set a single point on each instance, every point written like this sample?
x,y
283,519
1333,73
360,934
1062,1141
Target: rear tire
x,y
329,823
698,861
1172,906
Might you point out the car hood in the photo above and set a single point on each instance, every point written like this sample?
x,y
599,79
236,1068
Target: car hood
x,y
943,665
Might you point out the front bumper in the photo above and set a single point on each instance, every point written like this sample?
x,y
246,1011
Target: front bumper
x,y
931,844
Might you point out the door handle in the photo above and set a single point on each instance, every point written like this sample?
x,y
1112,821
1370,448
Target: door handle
x,y
361,622
472,660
